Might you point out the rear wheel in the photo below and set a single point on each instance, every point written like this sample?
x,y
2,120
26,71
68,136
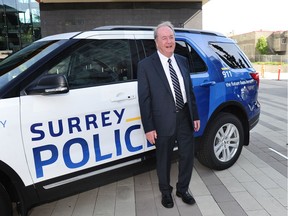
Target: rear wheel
x,y
222,142
5,202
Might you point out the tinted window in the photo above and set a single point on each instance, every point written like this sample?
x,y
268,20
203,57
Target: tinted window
x,y
149,47
96,62
135,55
22,60
182,48
231,55
197,64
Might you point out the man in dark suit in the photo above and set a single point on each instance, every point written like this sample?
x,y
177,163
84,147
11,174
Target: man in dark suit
x,y
168,112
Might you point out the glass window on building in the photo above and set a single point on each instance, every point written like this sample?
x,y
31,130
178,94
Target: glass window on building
x,y
19,24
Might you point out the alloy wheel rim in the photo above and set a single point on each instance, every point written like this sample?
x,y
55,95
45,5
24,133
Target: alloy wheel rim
x,y
226,142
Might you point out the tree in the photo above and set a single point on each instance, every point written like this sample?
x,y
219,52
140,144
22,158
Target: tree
x,y
262,45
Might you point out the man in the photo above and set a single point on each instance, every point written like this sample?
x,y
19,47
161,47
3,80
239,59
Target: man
x,y
168,112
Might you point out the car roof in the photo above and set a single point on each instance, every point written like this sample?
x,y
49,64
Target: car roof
x,y
123,29
151,28
62,36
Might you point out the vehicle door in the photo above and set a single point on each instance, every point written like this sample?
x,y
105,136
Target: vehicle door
x,y
96,122
199,78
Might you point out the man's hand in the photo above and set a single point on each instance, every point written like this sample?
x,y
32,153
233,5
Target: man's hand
x,y
197,125
151,136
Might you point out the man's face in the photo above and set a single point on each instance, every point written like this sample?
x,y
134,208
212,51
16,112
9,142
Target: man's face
x,y
165,41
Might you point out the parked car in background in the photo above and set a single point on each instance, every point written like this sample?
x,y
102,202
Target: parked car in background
x,y
69,115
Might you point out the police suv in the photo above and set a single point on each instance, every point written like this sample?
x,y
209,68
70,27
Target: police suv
x,y
69,115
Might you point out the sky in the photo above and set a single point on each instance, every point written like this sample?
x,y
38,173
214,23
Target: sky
x,y
233,17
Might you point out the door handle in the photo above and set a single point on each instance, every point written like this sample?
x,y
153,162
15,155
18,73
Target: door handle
x,y
207,84
123,97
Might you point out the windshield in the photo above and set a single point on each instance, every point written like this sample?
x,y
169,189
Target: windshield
x,y
20,61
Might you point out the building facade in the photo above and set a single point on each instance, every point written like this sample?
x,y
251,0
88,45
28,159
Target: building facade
x,y
78,15
278,41
19,24
277,45
20,19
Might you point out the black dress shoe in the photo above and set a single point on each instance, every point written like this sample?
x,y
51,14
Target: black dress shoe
x,y
186,197
167,201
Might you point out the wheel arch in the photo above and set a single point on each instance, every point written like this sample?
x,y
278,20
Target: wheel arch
x,y
236,109
23,196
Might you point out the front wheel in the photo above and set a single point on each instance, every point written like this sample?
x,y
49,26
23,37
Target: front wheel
x,y
222,142
5,202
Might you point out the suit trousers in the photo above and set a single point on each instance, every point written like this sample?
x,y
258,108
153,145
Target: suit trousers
x,y
184,139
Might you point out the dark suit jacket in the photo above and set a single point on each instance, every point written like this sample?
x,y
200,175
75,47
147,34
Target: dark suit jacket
x,y
157,105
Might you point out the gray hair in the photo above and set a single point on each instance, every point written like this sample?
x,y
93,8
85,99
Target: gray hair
x,y
166,23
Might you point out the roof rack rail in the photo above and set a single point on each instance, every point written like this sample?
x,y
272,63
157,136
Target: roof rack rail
x,y
151,28
119,27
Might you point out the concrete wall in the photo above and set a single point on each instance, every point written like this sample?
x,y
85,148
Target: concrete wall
x,y
195,21
277,43
247,42
66,17
271,68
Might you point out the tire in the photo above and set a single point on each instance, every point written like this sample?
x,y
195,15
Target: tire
x,y
222,142
5,202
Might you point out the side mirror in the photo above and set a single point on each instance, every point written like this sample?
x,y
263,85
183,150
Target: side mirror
x,y
49,84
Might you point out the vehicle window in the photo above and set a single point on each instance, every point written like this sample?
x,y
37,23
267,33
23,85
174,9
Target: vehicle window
x,y
231,55
96,62
197,64
22,60
140,49
149,47
135,55
182,48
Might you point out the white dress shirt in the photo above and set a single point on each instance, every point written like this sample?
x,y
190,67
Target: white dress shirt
x,y
165,64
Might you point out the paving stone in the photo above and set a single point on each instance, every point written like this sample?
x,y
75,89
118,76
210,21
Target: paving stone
x,y
240,174
197,186
247,202
207,175
187,210
85,203
232,184
43,210
105,204
208,206
143,182
279,194
257,174
109,189
277,177
145,203
252,158
65,207
125,201
220,193
257,213
232,208
269,203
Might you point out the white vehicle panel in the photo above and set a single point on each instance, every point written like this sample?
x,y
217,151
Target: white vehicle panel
x,y
144,35
105,35
59,36
11,140
81,129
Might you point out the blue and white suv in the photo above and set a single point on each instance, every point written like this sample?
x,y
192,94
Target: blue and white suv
x,y
69,115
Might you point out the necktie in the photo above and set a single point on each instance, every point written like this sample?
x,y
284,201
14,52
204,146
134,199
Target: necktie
x,y
176,86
